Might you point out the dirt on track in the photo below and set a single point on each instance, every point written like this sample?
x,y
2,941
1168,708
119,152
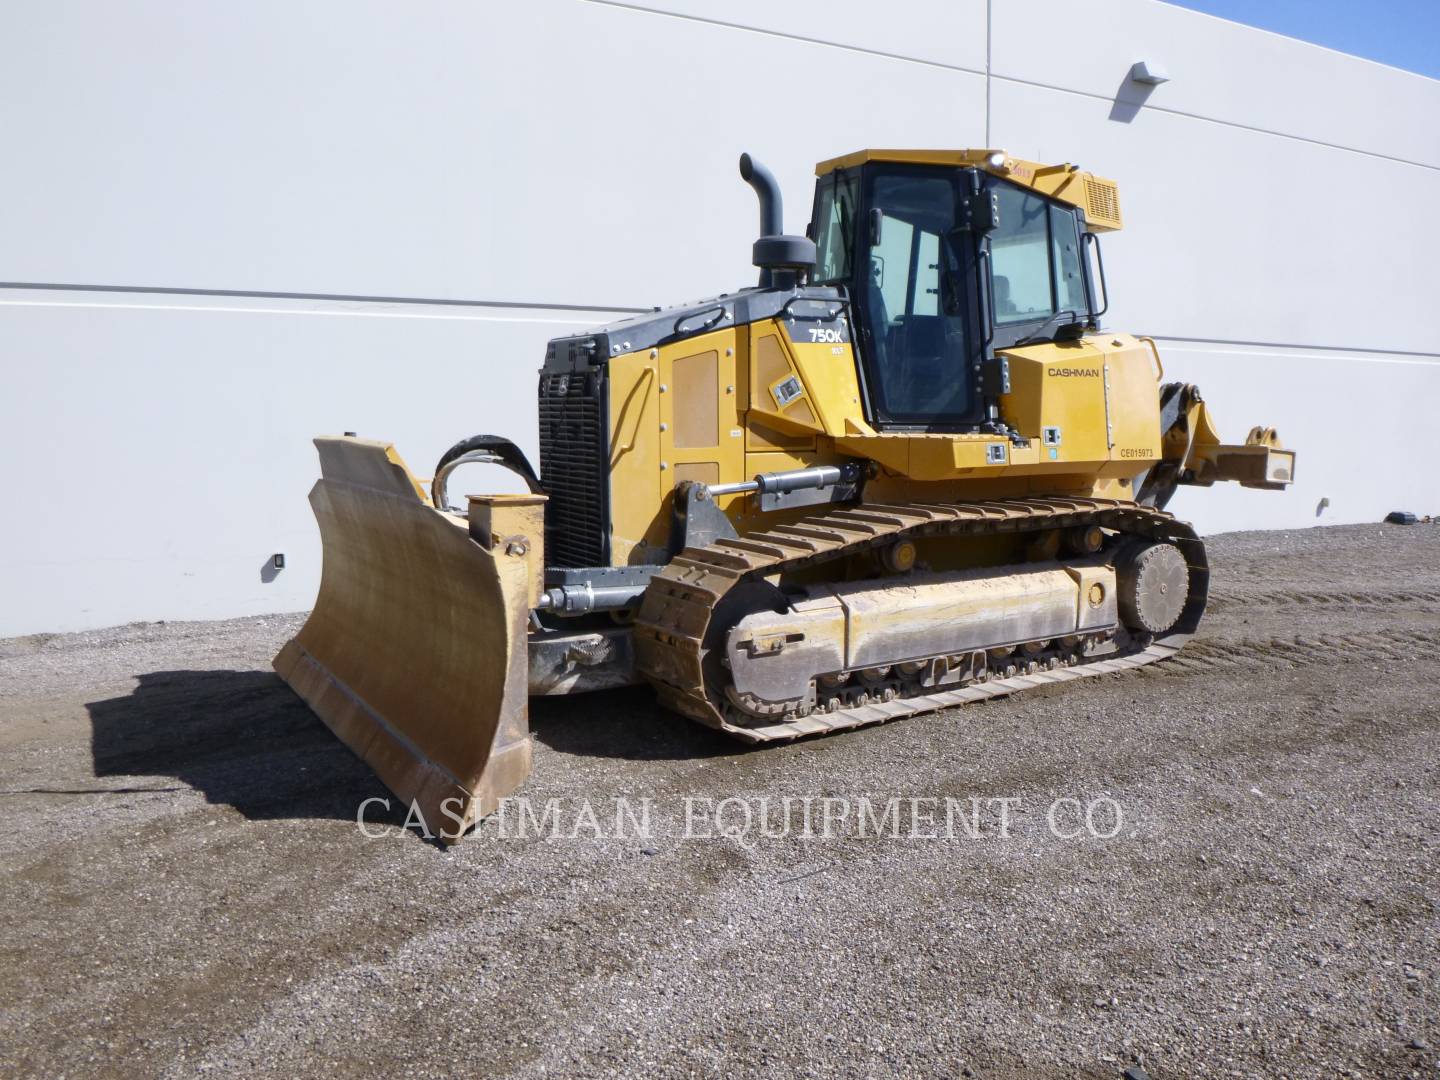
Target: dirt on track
x,y
185,889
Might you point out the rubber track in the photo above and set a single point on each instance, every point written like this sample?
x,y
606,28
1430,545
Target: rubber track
x,y
676,613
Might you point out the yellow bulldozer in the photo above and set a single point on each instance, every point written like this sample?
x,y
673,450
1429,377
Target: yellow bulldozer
x,y
906,471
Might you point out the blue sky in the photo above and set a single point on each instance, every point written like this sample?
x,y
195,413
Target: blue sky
x,y
1401,33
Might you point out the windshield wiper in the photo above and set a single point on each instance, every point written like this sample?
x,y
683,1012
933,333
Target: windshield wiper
x,y
1040,334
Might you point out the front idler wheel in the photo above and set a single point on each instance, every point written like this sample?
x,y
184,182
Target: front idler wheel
x,y
1153,582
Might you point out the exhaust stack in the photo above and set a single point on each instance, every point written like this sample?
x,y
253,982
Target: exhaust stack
x,y
783,260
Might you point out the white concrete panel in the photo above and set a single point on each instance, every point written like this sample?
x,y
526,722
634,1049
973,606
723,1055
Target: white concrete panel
x,y
557,151
1359,422
164,448
948,32
1220,70
1271,240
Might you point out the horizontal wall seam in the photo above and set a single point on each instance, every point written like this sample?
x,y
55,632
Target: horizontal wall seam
x,y
1212,120
346,298
1338,349
704,20
1294,349
333,313
1280,354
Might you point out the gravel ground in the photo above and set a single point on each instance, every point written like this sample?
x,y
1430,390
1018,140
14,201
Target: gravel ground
x,y
185,889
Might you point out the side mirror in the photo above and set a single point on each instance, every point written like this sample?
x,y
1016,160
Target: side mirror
x,y
877,225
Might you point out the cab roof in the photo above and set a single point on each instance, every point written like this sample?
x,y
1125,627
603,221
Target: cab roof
x,y
1097,196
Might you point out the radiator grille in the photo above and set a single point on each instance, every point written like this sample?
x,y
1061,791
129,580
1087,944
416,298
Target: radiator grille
x,y
1102,203
572,467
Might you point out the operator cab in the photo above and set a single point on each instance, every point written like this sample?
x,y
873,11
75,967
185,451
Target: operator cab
x,y
945,262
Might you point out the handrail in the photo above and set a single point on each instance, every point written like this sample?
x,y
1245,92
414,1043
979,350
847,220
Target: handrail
x,y
842,303
988,285
1092,239
718,318
1155,351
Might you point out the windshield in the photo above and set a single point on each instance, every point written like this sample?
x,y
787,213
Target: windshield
x,y
909,301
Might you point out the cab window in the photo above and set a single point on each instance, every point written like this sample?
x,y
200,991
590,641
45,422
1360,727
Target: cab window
x,y
1020,255
1035,255
835,218
1065,249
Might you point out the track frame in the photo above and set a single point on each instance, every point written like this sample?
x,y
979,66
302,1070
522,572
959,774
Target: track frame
x,y
679,606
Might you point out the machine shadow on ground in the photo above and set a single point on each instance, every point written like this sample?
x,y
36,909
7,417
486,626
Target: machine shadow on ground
x,y
628,724
241,738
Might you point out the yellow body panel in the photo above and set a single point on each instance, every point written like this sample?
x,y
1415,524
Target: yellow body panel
x,y
828,372
829,389
676,413
637,533
779,396
1133,404
1099,392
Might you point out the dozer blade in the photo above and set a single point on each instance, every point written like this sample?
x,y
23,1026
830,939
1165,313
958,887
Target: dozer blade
x,y
415,653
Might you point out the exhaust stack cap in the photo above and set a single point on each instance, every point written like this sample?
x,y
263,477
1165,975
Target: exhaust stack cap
x,y
783,253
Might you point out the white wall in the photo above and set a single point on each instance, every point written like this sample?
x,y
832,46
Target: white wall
x,y
539,158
